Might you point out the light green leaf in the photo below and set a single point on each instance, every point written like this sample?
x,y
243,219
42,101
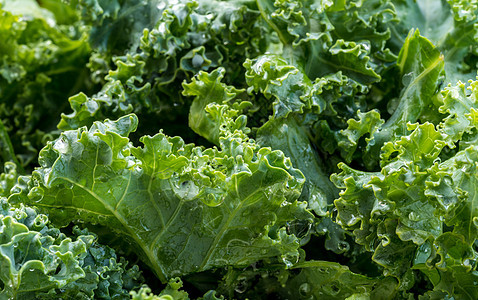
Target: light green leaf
x,y
185,209
421,66
460,106
459,195
170,292
290,88
207,88
451,267
38,261
451,25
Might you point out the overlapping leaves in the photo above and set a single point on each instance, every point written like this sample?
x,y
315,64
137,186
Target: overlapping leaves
x,y
451,25
325,84
189,36
40,262
185,208
420,211
41,61
329,35
307,280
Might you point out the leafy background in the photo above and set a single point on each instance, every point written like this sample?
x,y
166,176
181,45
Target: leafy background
x,y
238,149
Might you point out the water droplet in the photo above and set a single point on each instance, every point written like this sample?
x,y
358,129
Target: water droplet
x,y
332,289
352,220
145,228
61,146
304,289
414,216
187,190
166,204
197,61
289,260
343,246
241,286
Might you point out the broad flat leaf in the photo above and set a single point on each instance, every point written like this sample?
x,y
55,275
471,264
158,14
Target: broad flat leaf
x,y
185,209
432,17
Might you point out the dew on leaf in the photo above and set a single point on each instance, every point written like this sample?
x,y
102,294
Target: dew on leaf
x,y
305,289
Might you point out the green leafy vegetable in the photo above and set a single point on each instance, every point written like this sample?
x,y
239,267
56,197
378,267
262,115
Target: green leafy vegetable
x,y
40,262
186,209
242,149
42,62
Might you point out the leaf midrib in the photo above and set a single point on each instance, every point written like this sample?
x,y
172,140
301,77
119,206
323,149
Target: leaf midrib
x,y
221,233
147,250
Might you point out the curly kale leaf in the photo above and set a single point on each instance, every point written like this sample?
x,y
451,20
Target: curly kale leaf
x,y
40,262
185,209
42,63
418,214
312,279
451,25
327,37
189,36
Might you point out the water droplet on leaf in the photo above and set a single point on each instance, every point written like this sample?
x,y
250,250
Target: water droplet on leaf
x,y
304,289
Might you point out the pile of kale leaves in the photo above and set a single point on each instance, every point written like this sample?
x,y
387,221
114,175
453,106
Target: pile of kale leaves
x,y
206,149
